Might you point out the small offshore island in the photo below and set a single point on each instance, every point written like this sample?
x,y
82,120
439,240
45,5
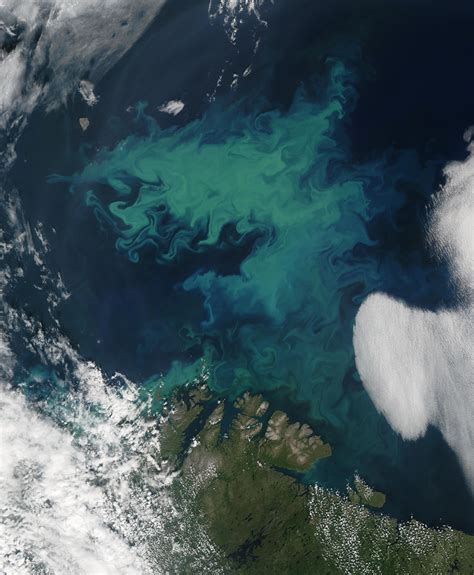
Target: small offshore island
x,y
236,467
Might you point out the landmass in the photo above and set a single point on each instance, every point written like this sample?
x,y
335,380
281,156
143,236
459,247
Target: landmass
x,y
239,464
365,495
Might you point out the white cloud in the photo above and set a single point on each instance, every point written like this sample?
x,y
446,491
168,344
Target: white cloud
x,y
70,501
61,43
53,519
416,365
173,107
86,90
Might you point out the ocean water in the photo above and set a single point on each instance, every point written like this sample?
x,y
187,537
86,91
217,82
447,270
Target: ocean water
x,y
246,231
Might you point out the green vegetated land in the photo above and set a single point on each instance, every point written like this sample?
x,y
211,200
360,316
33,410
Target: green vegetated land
x,y
239,462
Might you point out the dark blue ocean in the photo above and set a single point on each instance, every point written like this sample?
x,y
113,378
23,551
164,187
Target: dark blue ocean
x,y
407,97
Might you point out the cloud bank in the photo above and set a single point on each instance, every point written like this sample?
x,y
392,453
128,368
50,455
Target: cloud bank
x,y
418,366
48,47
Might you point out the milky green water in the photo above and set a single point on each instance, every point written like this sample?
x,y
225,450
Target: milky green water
x,y
284,182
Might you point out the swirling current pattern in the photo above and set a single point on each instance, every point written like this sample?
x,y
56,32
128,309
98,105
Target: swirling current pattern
x,y
283,183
